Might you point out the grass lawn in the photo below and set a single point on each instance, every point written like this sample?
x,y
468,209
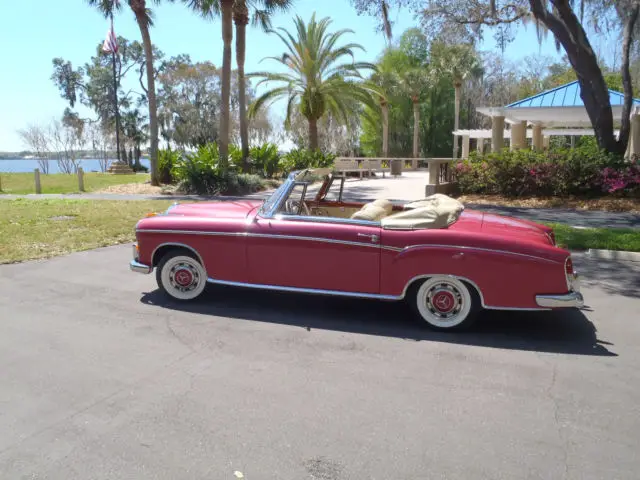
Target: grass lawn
x,y
626,239
31,229
22,183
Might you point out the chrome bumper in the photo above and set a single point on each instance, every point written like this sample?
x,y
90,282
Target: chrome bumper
x,y
572,299
140,267
136,266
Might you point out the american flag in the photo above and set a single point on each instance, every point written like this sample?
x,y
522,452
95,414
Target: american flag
x,y
110,44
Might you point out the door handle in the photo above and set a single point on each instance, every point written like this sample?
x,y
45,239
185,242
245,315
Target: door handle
x,y
373,237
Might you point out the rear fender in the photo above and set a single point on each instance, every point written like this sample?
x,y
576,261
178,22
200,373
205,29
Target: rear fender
x,y
504,279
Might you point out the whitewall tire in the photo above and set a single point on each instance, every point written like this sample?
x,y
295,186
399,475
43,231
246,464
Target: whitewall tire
x,y
181,276
445,303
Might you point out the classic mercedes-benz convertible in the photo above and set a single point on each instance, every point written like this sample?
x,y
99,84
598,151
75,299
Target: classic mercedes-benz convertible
x,y
447,261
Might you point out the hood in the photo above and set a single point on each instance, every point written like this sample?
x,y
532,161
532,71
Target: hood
x,y
220,209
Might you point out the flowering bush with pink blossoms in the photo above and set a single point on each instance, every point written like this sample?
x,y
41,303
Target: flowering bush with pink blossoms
x,y
583,171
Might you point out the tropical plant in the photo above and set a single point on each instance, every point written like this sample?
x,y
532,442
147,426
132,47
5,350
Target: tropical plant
x,y
167,159
317,82
300,158
144,20
265,159
200,172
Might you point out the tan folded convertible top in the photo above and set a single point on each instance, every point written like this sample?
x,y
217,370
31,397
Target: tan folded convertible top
x,y
435,211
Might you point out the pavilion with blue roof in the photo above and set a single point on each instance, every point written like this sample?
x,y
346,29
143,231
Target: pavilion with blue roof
x,y
558,111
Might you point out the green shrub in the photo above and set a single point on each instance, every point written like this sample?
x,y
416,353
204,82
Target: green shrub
x,y
235,156
299,159
167,158
265,159
558,172
200,173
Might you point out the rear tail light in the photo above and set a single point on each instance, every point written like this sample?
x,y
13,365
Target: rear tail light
x,y
570,274
568,266
552,237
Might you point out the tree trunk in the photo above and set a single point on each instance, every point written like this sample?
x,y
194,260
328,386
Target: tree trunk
x,y
627,40
456,117
385,129
313,133
416,128
569,32
151,95
241,19
227,38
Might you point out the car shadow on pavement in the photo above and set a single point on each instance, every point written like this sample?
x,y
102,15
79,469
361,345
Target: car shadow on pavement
x,y
568,331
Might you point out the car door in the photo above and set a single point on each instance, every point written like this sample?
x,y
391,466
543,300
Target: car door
x,y
314,253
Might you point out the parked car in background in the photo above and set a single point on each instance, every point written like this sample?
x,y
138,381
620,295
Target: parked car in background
x,y
447,261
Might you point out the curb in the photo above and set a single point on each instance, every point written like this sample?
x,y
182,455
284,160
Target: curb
x,y
614,255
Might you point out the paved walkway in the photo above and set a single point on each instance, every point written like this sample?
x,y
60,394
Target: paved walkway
x,y
409,186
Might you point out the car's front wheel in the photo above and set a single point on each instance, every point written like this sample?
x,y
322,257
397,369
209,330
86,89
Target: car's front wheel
x,y
181,276
446,303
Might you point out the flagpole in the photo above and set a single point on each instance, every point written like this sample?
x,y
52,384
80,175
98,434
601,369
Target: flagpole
x,y
115,93
115,101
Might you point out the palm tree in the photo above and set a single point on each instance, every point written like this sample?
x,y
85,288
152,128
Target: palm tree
x,y
413,82
262,16
461,63
316,83
144,19
386,80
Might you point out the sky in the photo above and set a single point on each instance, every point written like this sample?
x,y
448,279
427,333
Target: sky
x,y
33,32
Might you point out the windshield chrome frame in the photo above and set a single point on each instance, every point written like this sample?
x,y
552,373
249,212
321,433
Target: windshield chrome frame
x,y
282,193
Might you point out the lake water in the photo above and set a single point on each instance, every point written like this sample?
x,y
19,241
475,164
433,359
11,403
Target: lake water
x,y
19,165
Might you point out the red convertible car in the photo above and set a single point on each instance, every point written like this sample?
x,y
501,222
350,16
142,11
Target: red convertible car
x,y
446,261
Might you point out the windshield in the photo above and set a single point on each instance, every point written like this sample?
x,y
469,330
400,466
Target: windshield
x,y
273,198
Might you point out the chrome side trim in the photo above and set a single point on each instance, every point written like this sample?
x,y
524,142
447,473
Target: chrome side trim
x,y
373,296
480,249
174,244
138,267
571,299
319,219
264,235
376,296
195,232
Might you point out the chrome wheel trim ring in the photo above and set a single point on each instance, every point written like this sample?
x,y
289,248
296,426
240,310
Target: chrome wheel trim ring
x,y
444,302
183,277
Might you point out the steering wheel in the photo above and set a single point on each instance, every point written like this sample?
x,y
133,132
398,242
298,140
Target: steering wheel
x,y
293,207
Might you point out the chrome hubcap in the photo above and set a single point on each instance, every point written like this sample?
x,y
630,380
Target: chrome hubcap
x,y
184,277
444,300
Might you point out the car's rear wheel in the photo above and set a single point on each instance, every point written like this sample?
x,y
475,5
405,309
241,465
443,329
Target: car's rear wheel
x,y
446,303
181,276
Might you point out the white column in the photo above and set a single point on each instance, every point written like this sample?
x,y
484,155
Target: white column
x,y
480,145
497,133
518,135
546,141
537,136
634,137
465,146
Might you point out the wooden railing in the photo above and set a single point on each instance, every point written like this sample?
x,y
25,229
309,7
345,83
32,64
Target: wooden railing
x,y
438,168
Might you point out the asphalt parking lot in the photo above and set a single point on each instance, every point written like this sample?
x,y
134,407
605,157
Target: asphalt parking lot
x,y
102,378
